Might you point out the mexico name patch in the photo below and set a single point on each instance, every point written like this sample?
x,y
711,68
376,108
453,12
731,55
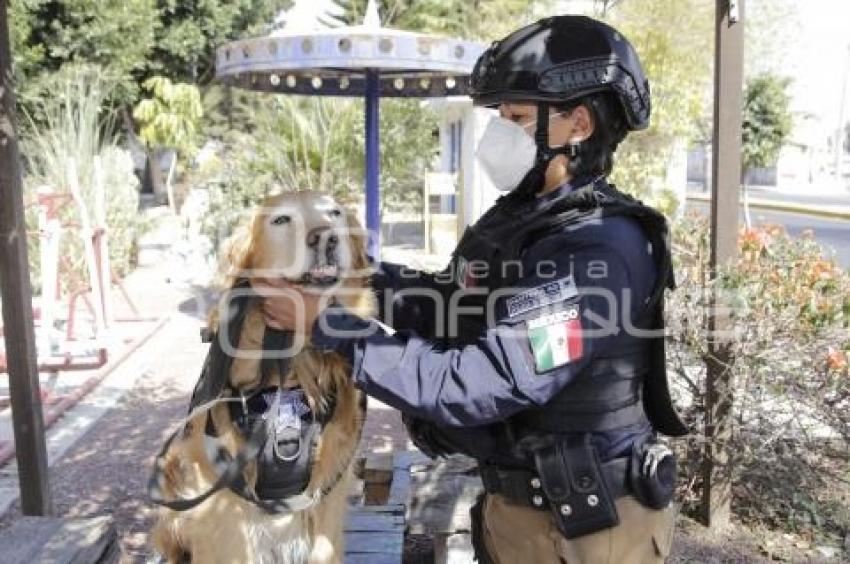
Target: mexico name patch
x,y
555,339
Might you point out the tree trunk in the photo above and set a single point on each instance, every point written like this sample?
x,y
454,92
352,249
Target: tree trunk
x,y
726,181
16,295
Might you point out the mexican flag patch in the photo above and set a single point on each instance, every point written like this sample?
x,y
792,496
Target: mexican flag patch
x,y
555,339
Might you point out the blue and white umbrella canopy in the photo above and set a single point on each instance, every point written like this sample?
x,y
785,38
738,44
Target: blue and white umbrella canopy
x,y
307,57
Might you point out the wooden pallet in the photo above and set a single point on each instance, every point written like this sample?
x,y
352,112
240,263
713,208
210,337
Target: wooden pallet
x,y
445,491
52,540
375,533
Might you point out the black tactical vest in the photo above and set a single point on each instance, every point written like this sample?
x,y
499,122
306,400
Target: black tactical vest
x,y
612,392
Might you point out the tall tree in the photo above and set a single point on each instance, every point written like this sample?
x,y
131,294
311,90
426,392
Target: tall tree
x,y
771,33
472,19
190,30
767,119
118,35
767,125
678,65
131,39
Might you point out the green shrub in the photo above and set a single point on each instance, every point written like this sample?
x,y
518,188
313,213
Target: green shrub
x,y
122,208
292,143
791,421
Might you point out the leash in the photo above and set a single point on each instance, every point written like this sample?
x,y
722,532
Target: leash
x,y
230,468
256,428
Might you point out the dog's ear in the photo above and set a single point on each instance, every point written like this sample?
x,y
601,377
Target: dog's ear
x,y
239,252
357,238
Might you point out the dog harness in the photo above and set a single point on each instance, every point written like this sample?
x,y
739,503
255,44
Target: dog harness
x,y
280,429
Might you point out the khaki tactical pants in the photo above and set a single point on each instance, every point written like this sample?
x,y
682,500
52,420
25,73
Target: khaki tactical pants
x,y
517,534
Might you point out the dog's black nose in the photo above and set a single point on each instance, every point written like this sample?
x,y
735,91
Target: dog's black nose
x,y
319,235
314,236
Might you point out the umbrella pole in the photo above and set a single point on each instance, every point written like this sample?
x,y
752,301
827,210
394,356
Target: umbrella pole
x,y
373,197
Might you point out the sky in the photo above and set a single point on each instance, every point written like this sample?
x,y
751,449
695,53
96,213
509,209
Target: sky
x,y
818,58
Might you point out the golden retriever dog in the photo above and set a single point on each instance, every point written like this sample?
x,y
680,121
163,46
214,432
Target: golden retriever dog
x,y
306,238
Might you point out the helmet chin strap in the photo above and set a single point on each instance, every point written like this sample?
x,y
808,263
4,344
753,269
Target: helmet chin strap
x,y
541,134
535,179
545,153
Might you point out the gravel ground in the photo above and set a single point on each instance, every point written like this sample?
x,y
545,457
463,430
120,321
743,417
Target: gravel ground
x,y
106,472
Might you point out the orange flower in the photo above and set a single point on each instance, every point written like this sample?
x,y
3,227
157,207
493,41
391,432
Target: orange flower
x,y
822,270
774,230
751,240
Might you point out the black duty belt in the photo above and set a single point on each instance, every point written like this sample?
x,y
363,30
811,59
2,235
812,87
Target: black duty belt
x,y
579,490
524,486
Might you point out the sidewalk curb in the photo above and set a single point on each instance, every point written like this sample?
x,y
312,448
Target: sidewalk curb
x,y
840,212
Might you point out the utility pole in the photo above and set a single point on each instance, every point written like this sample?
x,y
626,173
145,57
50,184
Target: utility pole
x,y
16,295
726,181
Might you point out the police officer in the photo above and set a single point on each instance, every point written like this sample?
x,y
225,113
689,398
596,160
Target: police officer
x,y
540,350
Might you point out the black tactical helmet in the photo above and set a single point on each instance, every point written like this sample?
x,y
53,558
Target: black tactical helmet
x,y
559,59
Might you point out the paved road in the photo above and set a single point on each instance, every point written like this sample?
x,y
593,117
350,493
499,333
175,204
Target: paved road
x,y
833,234
803,195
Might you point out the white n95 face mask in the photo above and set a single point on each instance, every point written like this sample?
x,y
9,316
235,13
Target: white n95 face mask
x,y
506,153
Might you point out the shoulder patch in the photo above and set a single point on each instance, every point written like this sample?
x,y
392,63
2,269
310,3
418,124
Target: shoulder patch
x,y
556,339
546,294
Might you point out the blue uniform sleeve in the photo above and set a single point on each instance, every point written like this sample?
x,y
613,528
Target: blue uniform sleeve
x,y
563,312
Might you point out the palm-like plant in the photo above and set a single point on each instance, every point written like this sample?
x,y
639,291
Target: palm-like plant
x,y
69,145
170,118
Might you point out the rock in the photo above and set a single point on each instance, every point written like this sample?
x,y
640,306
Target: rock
x,y
827,551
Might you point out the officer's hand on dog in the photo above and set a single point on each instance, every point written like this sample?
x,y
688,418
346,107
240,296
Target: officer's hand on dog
x,y
289,307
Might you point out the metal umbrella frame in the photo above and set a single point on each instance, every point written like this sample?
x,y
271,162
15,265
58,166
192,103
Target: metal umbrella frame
x,y
367,61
